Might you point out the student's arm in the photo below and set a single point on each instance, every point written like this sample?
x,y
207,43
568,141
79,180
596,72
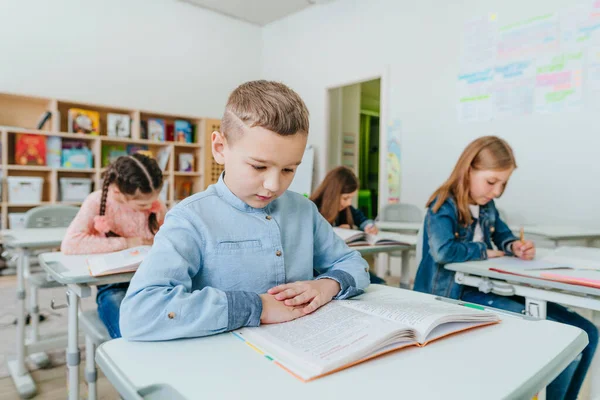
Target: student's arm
x,y
333,259
360,219
502,235
82,238
444,245
160,303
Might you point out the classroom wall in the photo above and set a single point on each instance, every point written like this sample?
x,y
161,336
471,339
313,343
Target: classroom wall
x,y
418,43
162,55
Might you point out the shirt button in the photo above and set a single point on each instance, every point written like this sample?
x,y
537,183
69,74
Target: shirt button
x,y
171,315
278,253
268,217
492,229
455,234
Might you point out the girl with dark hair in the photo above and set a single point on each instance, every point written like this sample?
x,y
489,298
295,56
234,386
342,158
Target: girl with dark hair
x,y
125,213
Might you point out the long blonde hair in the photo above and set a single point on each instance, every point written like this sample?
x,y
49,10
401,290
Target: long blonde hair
x,y
327,196
485,153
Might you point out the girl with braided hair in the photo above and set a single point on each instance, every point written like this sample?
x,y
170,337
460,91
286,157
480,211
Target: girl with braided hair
x,y
125,213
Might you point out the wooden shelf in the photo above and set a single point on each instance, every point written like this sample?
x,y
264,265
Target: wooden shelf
x,y
44,168
75,136
41,168
17,112
180,173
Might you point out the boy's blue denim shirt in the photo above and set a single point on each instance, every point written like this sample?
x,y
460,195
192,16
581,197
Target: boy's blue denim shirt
x,y
446,241
215,254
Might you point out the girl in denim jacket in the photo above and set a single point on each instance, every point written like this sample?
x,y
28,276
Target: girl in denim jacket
x,y
463,224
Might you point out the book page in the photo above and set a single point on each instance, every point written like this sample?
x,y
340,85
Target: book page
x,y
421,315
575,257
351,236
123,260
327,339
391,238
513,264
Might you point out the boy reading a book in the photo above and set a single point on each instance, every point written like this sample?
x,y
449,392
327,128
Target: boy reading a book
x,y
242,252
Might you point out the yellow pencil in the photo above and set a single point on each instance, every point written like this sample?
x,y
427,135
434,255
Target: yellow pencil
x,y
522,235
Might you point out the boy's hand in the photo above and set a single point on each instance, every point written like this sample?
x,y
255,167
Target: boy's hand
x,y
310,294
495,253
275,311
371,229
523,250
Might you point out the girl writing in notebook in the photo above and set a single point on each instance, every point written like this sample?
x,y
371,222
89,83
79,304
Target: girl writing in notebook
x,y
125,213
334,198
463,224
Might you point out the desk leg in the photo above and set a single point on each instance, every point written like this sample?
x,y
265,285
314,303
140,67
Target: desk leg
x,y
537,308
21,377
73,356
41,359
405,270
594,372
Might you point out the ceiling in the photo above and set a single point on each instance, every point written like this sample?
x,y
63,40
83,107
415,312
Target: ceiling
x,y
259,12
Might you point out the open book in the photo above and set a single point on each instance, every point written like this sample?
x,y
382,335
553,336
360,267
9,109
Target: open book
x,y
572,265
347,332
353,237
120,261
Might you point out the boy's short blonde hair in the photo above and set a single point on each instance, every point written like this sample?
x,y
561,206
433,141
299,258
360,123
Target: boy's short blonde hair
x,y
270,105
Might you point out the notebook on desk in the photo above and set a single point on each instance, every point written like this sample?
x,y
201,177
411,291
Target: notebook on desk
x,y
344,333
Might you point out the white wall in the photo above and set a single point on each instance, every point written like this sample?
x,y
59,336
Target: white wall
x,y
418,42
161,55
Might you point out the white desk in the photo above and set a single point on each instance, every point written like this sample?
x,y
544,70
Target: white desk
x,y
73,272
384,250
23,241
521,359
537,292
405,227
558,233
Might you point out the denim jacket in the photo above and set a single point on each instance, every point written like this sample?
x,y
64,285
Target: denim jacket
x,y
446,241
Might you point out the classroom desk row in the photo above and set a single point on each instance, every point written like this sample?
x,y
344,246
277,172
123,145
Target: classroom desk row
x,y
72,271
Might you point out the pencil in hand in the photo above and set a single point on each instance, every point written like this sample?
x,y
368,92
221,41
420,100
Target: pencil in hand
x,y
522,235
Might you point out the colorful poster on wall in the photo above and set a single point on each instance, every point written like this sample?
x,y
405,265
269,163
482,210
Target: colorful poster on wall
x,y
393,161
528,39
559,82
475,96
514,85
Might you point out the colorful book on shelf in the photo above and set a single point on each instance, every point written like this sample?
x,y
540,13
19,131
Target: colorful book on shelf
x,y
344,333
83,121
156,129
53,151
30,150
186,162
162,157
117,262
136,148
354,237
183,131
110,153
118,125
170,132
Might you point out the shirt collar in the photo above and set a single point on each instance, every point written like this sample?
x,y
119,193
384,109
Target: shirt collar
x,y
227,195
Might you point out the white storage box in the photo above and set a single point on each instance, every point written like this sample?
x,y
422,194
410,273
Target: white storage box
x,y
75,189
16,220
24,189
164,191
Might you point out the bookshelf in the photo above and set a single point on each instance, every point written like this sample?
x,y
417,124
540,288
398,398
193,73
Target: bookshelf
x,y
21,114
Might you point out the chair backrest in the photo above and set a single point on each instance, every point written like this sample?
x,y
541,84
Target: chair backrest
x,y
401,213
53,216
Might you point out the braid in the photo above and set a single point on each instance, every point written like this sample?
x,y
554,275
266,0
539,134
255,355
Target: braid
x,y
109,176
